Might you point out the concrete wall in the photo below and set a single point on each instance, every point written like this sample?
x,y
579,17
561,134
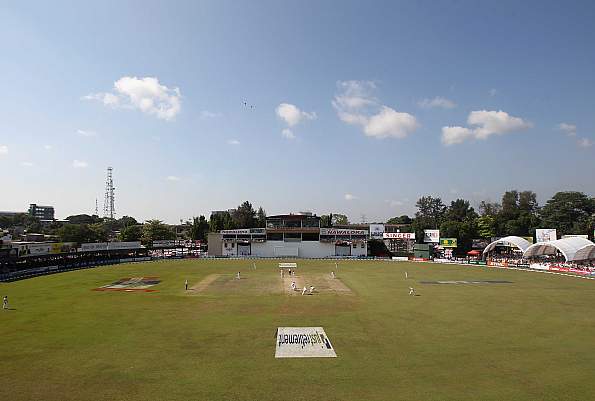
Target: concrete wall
x,y
215,244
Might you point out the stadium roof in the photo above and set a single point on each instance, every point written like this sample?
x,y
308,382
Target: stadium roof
x,y
587,252
519,242
567,247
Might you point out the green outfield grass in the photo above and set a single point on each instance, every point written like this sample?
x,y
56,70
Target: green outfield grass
x,y
532,339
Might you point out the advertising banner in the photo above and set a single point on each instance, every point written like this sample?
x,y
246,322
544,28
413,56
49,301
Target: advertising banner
x,y
342,231
32,249
585,236
303,342
448,242
432,236
94,246
545,234
376,231
398,235
123,245
236,232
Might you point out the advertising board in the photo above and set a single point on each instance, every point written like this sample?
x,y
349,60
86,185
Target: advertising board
x,y
376,231
342,231
303,342
448,242
545,234
432,236
94,246
398,235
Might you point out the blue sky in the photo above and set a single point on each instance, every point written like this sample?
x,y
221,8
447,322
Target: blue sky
x,y
384,102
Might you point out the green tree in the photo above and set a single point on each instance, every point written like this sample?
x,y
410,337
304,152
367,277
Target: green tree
x,y
156,230
430,214
244,216
83,219
126,221
486,226
325,220
100,232
199,229
339,219
404,219
131,233
79,233
569,213
261,218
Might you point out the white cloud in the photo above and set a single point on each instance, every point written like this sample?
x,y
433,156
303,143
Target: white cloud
x,y
438,102
585,143
454,135
79,164
144,94
27,164
390,123
108,99
493,92
173,178
48,147
495,122
350,197
568,129
287,133
484,124
356,105
292,115
3,150
233,142
205,115
86,133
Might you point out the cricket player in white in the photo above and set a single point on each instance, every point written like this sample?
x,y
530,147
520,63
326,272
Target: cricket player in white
x,y
238,276
186,284
311,289
332,274
293,286
411,291
5,302
304,290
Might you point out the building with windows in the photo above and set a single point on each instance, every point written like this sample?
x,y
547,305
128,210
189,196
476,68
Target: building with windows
x,y
41,212
290,235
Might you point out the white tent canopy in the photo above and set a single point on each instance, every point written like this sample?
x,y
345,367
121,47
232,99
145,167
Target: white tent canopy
x,y
519,242
567,247
587,252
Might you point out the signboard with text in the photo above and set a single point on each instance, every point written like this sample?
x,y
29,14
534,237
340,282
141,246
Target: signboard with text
x,y
398,235
448,242
376,231
342,231
432,236
303,342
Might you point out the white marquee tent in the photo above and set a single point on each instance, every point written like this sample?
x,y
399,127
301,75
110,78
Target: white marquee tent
x,y
587,252
568,247
518,242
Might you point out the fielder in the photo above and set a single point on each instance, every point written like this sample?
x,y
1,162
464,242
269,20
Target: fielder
x,y
333,274
5,302
293,286
238,276
411,291
311,289
186,284
304,290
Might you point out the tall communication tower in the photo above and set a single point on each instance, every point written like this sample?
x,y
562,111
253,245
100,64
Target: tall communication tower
x,y
108,204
